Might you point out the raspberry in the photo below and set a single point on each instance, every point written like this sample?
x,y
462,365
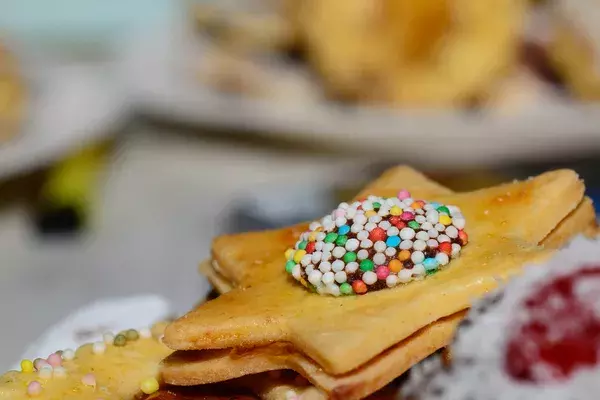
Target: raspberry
x,y
561,333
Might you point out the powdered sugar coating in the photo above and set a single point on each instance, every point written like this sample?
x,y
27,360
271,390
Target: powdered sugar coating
x,y
479,349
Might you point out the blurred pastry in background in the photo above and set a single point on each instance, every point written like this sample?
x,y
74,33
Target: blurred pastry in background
x,y
12,95
408,53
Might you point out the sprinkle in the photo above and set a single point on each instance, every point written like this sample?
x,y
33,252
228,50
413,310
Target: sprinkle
x,y
338,252
346,288
362,235
392,241
108,338
315,277
459,222
422,235
405,275
452,232
366,265
298,256
340,277
369,278
418,270
296,273
417,257
302,245
443,239
380,246
330,237
349,257
89,380
382,272
414,225
446,248
26,366
360,219
430,264
403,255
446,220
60,372
309,268
333,289
385,225
432,217
98,348
426,226
390,251
340,221
328,278
406,245
34,389
38,363
121,340
419,245
359,286
379,258
132,334
391,281
370,214
370,226
344,229
289,266
443,210
393,231
464,238
432,243
55,360
351,267
407,233
433,233
362,254
395,266
68,354
407,216
45,372
442,258
455,249
403,194
366,244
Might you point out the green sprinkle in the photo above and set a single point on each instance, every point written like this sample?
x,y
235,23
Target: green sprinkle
x,y
366,265
120,340
346,288
443,209
331,237
376,205
132,334
341,240
414,224
349,257
289,266
302,245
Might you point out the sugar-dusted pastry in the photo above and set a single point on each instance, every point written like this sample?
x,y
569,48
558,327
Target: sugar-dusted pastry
x,y
538,338
506,224
12,96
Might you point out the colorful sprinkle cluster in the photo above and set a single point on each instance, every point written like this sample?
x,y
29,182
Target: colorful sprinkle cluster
x,y
376,243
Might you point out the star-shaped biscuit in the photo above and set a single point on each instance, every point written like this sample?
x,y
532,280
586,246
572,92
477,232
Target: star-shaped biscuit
x,y
506,223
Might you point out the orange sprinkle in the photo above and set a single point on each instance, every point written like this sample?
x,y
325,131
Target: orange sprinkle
x,y
416,205
395,266
404,255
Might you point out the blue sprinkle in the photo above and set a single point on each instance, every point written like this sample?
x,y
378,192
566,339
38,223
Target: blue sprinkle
x,y
430,264
393,241
342,230
435,205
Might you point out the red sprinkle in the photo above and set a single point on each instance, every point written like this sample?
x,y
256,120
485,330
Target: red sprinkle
x,y
359,287
562,331
395,220
382,272
464,238
445,247
407,216
310,247
377,234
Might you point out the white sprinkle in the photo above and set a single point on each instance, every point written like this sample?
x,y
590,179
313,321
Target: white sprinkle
x,y
296,272
314,225
404,275
316,257
459,222
321,289
422,235
338,252
360,219
340,221
420,211
428,207
68,354
145,333
351,267
352,244
315,277
451,232
326,256
390,252
326,220
379,259
350,213
98,348
385,225
309,268
406,245
427,226
45,372
453,210
367,205
343,205
355,228
370,226
443,238
306,260
108,338
417,257
329,246
362,235
59,372
324,267
393,231
433,217
337,265
319,246
340,277
455,249
391,280
432,244
383,212
433,233
369,277
327,278
420,219
320,236
407,233
408,202
390,201
418,270
442,258
366,244
440,227
333,289
380,246
329,226
362,254
375,219
419,245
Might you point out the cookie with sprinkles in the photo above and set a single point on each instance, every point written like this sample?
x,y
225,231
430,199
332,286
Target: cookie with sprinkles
x,y
538,338
376,243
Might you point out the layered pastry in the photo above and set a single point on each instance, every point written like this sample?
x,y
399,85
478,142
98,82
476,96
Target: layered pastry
x,y
537,338
354,300
12,95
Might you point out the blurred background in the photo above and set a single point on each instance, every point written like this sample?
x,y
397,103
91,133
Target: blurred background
x,y
134,131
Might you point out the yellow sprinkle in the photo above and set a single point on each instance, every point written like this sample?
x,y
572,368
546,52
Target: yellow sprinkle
x,y
289,253
149,385
298,256
370,213
446,220
312,237
396,210
26,366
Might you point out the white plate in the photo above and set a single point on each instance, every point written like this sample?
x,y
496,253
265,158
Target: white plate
x,y
159,70
68,107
